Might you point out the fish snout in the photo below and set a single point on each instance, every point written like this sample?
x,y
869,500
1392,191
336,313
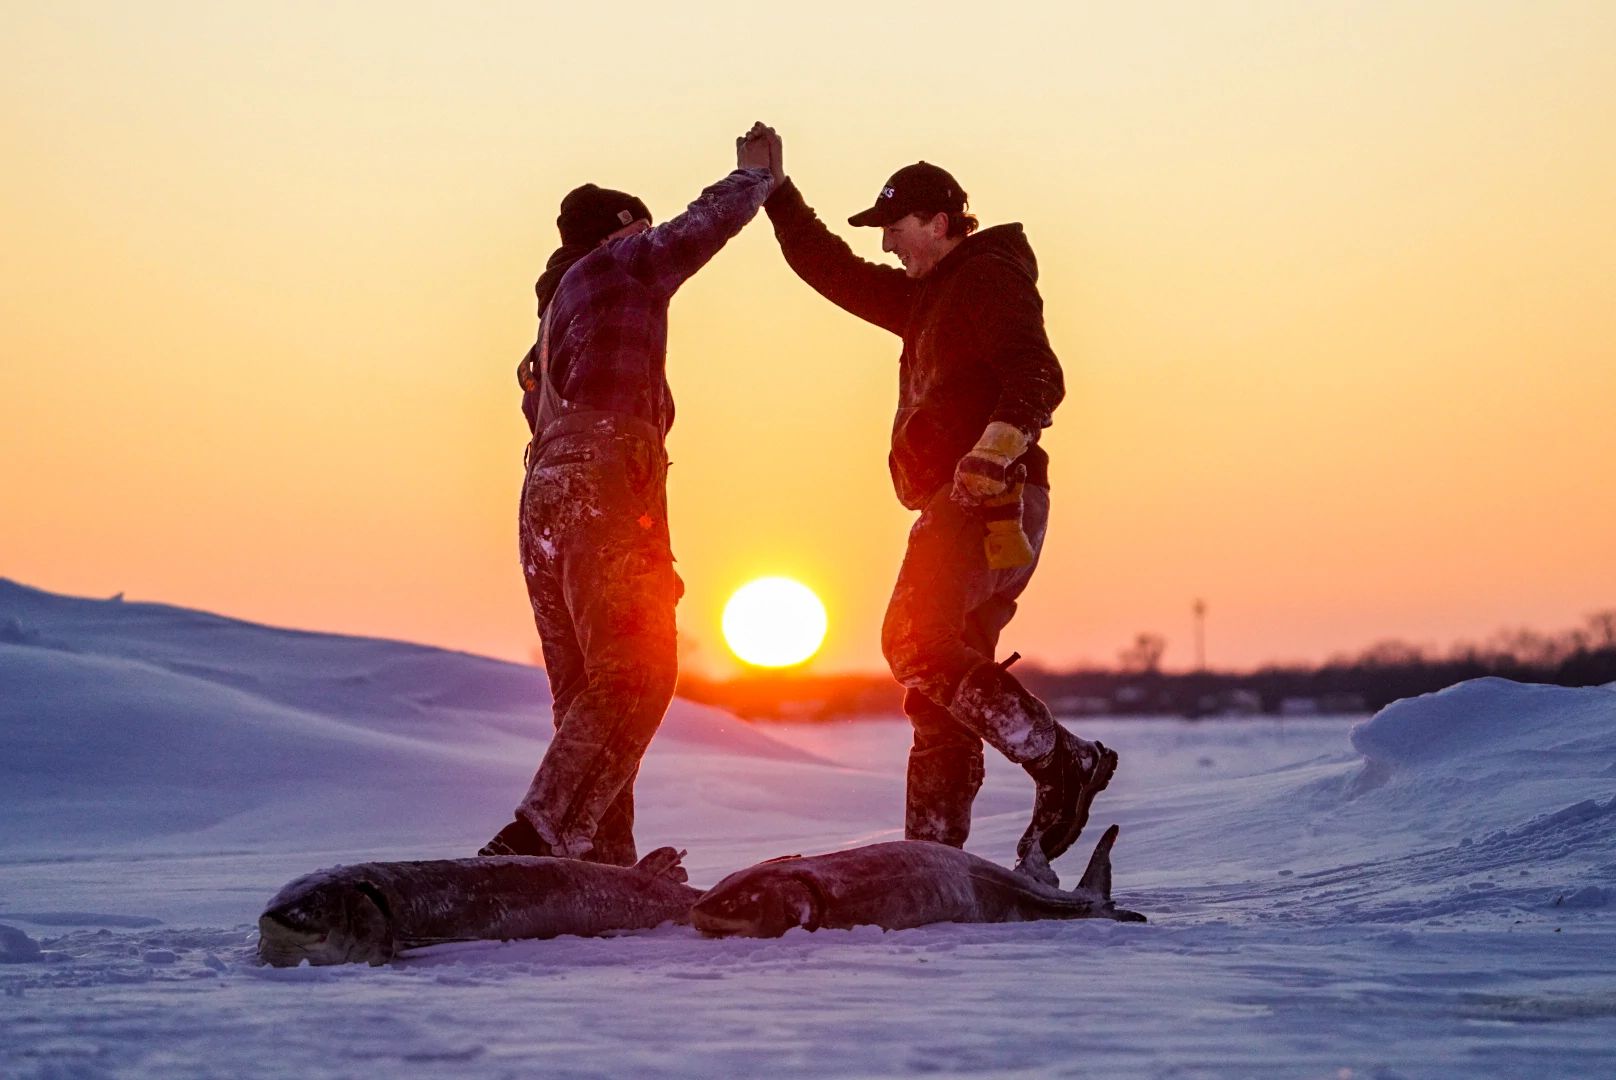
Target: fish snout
x,y
725,911
282,945
327,927
762,907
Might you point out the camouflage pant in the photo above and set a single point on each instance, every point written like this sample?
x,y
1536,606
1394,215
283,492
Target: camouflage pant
x,y
946,613
599,569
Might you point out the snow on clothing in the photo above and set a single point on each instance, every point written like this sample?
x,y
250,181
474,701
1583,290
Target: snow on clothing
x,y
599,570
945,584
609,312
974,347
974,351
594,526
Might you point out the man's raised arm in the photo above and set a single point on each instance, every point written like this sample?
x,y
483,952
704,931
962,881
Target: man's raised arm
x,y
878,294
664,256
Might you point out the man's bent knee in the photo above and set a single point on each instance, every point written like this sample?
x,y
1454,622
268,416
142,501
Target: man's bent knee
x,y
931,668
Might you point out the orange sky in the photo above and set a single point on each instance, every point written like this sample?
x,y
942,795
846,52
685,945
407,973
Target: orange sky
x,y
1332,284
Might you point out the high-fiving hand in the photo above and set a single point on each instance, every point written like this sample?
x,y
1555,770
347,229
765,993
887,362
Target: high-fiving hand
x,y
761,148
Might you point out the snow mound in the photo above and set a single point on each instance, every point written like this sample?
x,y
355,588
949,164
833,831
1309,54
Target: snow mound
x,y
16,947
1487,801
1491,722
148,727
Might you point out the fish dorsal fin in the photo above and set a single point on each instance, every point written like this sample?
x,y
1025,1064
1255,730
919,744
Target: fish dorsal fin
x,y
1097,878
664,862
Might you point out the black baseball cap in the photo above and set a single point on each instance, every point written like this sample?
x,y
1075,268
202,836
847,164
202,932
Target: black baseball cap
x,y
919,188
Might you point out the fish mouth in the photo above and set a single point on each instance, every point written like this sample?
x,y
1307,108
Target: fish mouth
x,y
340,924
712,924
281,945
797,900
729,918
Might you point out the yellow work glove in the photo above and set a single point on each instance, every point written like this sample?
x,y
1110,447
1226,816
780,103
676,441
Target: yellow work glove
x,y
983,473
1005,541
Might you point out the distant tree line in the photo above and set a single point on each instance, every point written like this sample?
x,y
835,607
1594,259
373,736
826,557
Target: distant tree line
x,y
1344,684
1348,683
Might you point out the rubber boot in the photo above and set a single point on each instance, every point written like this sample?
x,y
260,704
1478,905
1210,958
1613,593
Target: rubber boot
x,y
943,782
993,704
1066,781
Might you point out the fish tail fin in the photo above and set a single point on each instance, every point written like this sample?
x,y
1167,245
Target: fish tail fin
x,y
664,862
1097,878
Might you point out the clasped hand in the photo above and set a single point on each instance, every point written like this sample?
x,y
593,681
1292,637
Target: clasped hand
x,y
761,148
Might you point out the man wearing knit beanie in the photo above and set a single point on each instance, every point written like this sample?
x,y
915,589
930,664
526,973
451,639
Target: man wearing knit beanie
x,y
593,520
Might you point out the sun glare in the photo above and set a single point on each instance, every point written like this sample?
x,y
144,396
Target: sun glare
x,y
774,622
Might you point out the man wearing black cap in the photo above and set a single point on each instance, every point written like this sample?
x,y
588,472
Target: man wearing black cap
x,y
593,524
977,383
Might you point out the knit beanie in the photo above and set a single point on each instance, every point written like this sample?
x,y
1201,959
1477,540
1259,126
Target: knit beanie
x,y
589,214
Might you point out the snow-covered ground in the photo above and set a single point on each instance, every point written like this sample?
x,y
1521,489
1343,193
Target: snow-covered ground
x,y
1429,893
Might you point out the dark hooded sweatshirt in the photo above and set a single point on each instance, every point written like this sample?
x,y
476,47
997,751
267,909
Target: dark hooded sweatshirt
x,y
974,347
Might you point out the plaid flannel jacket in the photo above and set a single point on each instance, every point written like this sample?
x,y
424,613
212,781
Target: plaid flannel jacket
x,y
609,335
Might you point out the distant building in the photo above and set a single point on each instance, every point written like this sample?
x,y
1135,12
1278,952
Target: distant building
x,y
1342,704
1221,703
1323,705
1080,705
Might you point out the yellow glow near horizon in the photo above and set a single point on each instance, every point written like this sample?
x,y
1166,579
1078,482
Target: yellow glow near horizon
x,y
774,622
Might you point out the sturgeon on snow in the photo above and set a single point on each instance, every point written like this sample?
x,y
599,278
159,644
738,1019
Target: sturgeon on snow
x,y
371,911
895,886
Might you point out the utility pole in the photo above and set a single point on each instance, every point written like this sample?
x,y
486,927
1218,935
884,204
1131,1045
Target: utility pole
x,y
1200,635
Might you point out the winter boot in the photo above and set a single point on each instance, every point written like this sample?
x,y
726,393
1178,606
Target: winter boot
x,y
517,838
1067,779
943,782
992,703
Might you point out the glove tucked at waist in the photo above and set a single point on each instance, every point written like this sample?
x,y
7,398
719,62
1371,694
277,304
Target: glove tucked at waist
x,y
527,371
984,472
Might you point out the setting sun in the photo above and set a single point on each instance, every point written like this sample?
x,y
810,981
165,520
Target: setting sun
x,y
774,622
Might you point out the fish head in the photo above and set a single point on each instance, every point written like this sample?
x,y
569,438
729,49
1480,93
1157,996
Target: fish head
x,y
765,901
331,922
